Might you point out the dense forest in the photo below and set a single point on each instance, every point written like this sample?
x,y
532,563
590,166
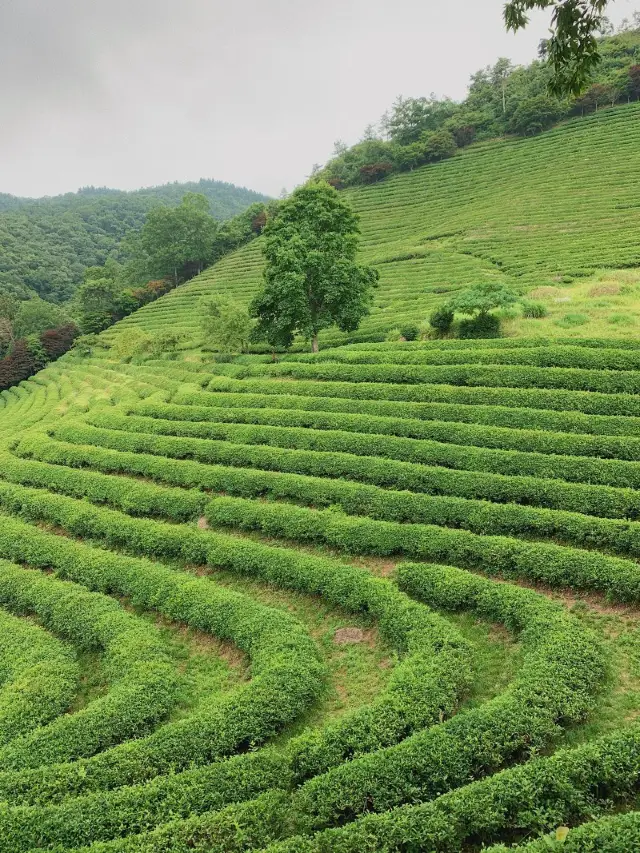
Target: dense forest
x,y
502,99
46,244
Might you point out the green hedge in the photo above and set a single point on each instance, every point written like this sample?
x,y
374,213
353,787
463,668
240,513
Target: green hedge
x,y
129,495
148,435
547,356
557,684
500,376
424,689
592,403
202,406
143,682
617,834
286,674
621,537
571,785
557,647
204,423
510,558
38,677
510,343
274,463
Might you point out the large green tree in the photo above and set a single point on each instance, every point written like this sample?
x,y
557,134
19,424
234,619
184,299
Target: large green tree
x,y
572,49
312,280
178,241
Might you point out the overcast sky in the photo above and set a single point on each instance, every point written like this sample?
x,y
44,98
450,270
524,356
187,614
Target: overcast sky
x,y
130,93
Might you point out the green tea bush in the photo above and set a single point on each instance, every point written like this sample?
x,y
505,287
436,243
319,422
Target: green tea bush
x,y
506,557
144,685
596,500
482,326
38,677
410,331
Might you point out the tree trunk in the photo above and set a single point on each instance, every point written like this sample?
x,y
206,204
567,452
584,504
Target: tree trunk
x,y
314,342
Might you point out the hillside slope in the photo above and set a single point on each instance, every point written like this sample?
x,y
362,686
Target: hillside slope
x,y
382,598
535,213
47,243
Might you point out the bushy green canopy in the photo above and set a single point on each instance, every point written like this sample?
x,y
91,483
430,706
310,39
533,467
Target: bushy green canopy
x,y
482,298
312,280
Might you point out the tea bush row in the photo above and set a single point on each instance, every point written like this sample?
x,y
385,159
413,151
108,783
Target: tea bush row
x,y
203,405
623,447
548,356
588,402
595,500
143,682
479,516
424,690
154,436
511,558
501,376
285,672
38,677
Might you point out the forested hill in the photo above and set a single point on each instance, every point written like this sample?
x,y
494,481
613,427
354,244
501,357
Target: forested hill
x,y
46,243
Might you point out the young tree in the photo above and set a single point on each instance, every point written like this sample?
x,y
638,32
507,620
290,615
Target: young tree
x,y
572,50
482,298
96,302
225,325
312,280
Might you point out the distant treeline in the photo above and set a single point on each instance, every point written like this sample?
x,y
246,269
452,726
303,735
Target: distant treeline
x,y
48,243
502,99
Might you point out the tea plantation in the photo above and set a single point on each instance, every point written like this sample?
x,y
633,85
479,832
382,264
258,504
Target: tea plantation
x,y
542,215
381,598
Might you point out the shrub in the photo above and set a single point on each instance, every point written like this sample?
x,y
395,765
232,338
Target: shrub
x,y
568,321
534,310
130,342
481,326
372,172
410,332
441,319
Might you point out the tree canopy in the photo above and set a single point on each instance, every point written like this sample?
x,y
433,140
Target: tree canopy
x,y
572,50
48,243
311,277
502,99
482,298
178,241
226,326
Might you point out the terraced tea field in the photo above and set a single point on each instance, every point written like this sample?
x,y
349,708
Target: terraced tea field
x,y
384,598
541,214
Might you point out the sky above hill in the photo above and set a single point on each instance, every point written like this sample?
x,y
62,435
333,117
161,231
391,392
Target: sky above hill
x,y
131,93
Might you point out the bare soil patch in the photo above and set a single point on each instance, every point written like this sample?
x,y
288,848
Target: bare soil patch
x,y
344,636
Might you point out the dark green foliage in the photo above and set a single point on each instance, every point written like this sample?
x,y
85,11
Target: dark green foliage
x,y
312,280
572,50
410,332
177,241
226,326
481,326
482,298
47,243
441,319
